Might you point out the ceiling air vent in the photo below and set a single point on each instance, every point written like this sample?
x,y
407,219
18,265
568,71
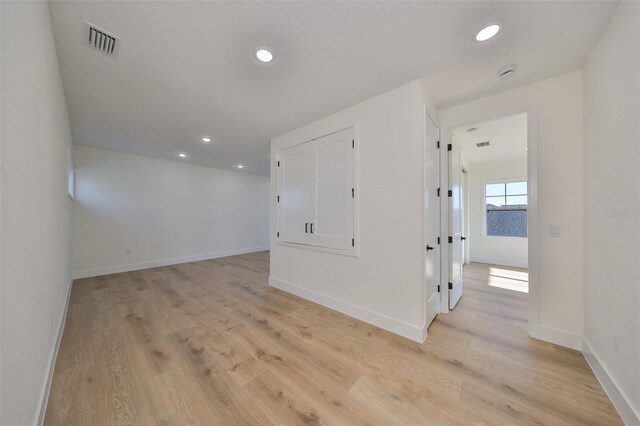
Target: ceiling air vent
x,y
482,144
101,40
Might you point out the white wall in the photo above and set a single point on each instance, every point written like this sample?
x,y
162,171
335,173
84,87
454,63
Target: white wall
x,y
612,206
510,251
36,212
135,212
385,284
557,103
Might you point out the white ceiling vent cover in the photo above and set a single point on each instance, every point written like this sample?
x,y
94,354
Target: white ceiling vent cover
x,y
101,40
483,144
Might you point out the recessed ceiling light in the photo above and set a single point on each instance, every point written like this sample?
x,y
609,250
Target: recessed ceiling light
x,y
182,155
264,55
240,166
487,32
206,140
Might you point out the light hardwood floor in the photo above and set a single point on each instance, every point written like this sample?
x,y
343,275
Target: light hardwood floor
x,y
210,343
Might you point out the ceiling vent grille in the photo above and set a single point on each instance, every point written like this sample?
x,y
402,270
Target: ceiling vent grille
x,y
482,144
101,40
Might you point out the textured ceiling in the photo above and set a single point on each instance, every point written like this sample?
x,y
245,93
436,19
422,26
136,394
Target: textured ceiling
x,y
187,69
507,137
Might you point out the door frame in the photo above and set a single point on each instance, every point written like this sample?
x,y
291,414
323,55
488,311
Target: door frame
x,y
466,230
470,116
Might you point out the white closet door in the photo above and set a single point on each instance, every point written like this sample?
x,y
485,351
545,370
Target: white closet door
x,y
295,192
333,201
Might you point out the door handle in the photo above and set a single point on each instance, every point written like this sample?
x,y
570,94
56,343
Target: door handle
x,y
463,238
312,228
430,248
306,226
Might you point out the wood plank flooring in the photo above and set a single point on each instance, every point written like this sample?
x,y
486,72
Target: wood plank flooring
x,y
210,343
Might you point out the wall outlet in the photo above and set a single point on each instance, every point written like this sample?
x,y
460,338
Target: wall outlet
x,y
617,340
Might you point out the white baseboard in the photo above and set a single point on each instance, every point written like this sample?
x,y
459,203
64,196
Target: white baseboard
x,y
559,337
106,270
401,328
46,387
630,414
500,261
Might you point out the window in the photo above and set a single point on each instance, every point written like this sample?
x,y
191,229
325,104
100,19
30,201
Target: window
x,y
506,205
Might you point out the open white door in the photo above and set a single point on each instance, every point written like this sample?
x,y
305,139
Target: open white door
x,y
456,254
431,218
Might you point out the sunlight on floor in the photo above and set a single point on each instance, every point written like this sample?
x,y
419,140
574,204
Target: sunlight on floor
x,y
509,279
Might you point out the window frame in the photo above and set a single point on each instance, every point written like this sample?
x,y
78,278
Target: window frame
x,y
484,204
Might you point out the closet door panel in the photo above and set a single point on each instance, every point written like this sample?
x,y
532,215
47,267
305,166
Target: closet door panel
x,y
294,209
333,199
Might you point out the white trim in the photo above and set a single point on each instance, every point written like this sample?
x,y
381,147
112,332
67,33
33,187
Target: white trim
x,y
402,328
630,414
46,386
341,252
106,270
499,261
560,337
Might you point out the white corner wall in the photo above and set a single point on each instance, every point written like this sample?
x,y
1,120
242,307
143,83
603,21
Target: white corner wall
x,y
612,209
36,212
384,285
134,212
509,251
558,105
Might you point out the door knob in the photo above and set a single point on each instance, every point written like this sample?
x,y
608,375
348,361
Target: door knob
x,y
430,248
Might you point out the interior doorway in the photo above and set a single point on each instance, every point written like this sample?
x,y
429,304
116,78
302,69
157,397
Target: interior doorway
x,y
488,206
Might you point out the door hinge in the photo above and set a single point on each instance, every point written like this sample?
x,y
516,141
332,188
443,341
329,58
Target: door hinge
x,y
450,193
278,234
438,144
278,164
353,193
438,240
353,242
438,288
278,198
438,192
450,286
449,147
353,143
450,240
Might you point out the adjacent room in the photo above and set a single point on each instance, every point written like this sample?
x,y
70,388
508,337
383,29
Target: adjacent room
x,y
494,200
339,213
